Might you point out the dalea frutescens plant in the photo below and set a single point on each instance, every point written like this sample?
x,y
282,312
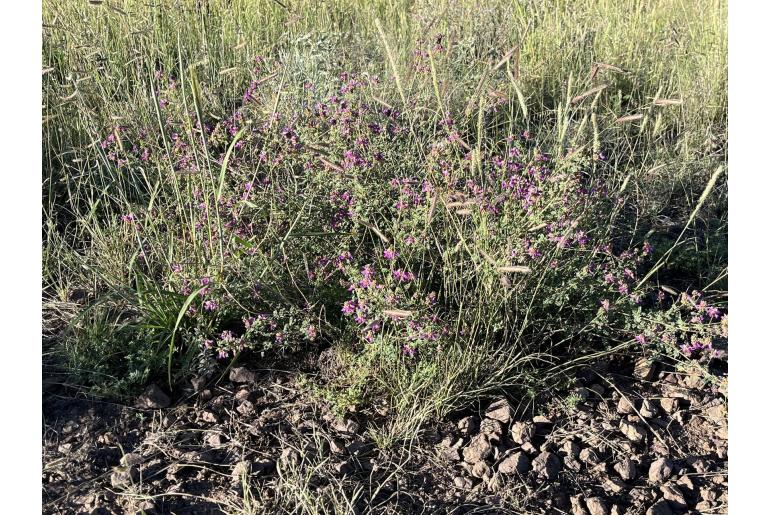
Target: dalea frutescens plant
x,y
393,235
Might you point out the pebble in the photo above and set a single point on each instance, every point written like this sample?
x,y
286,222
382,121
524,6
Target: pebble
x,y
515,463
634,432
468,425
546,466
522,432
660,470
659,508
478,449
500,410
242,375
626,469
597,506
674,496
153,398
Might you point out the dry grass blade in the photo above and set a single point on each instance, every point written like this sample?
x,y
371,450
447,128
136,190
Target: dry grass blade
x,y
667,102
397,313
588,93
629,118
516,269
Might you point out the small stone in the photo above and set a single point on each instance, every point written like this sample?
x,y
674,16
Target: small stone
x,y
242,375
245,408
337,446
634,432
468,425
625,406
500,410
491,427
597,506
546,466
660,470
528,447
589,456
577,505
570,448
515,463
198,383
616,510
648,409
463,483
659,508
216,440
347,426
206,395
131,459
700,466
243,394
481,470
478,449
669,404
209,416
65,448
626,469
674,496
122,477
614,485
541,420
707,494
522,432
153,398
686,482
496,483
644,369
703,506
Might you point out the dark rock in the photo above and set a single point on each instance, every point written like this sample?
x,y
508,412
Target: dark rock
x,y
659,508
660,470
500,410
491,427
674,496
589,456
522,432
242,375
515,463
626,469
123,477
546,466
468,425
597,506
478,449
153,398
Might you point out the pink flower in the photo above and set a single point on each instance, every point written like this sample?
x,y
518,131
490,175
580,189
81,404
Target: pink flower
x,y
390,254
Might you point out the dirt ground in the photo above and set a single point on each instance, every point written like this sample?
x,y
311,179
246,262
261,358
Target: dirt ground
x,y
631,438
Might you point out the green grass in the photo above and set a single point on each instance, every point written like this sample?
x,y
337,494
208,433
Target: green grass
x,y
642,82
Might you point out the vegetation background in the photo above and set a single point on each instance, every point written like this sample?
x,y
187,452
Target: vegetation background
x,y
152,110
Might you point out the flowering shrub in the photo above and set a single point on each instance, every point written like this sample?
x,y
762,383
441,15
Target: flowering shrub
x,y
341,219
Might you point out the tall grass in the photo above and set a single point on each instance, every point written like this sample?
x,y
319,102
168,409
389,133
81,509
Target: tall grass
x,y
630,94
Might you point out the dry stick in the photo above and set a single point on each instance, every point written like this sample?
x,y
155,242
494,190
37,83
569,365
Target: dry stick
x,y
662,261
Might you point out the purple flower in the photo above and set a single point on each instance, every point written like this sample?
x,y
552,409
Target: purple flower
x,y
640,339
349,307
605,305
712,312
210,305
403,276
390,254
